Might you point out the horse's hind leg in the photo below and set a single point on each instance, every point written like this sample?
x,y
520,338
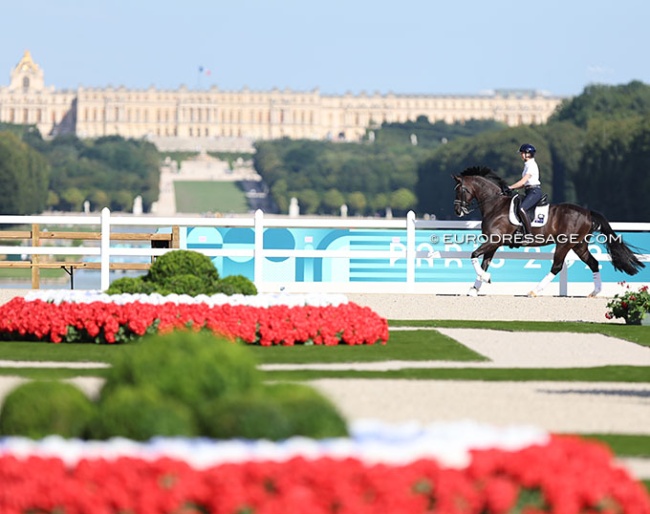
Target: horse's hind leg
x,y
582,251
558,262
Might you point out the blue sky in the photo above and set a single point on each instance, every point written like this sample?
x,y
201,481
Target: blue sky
x,y
407,46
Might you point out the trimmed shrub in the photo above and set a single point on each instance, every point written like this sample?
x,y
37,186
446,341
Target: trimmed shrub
x,y
310,414
131,285
192,367
188,284
41,408
182,262
140,413
236,284
248,416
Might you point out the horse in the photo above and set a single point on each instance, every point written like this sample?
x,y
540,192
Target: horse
x,y
568,226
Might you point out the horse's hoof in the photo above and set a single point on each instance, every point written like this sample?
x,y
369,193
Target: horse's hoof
x,y
532,294
472,291
593,294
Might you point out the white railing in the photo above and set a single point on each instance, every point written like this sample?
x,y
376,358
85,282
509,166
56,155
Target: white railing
x,y
259,222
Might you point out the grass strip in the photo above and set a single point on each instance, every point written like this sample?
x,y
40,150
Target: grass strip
x,y
634,333
605,374
414,345
38,351
411,345
52,373
629,374
624,445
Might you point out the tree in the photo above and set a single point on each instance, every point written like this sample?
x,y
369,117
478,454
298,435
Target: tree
x,y
357,202
98,200
402,200
379,203
332,201
122,200
73,199
309,201
23,177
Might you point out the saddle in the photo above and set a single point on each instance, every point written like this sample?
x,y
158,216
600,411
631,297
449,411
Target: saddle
x,y
540,217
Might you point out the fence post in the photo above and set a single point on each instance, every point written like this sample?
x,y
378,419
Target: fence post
x,y
258,259
36,270
564,279
410,247
105,248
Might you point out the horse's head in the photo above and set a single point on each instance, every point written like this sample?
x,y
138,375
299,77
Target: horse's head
x,y
464,195
477,182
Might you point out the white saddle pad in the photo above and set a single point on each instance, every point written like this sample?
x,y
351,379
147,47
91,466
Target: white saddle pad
x,y
539,220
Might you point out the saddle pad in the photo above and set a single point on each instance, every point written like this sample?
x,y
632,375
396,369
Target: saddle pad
x,y
539,220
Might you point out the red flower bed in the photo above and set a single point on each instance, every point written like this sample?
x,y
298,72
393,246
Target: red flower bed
x,y
565,476
109,322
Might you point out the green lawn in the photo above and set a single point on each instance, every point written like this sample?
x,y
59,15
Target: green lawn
x,y
215,197
633,333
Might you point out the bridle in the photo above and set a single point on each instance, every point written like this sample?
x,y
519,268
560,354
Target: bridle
x,y
462,203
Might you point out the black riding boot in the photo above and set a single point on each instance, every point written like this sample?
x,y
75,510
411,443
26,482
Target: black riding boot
x,y
525,222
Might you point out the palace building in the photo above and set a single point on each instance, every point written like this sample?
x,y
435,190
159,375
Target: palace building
x,y
212,118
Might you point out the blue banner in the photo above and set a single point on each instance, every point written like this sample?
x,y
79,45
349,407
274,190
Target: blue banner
x,y
429,266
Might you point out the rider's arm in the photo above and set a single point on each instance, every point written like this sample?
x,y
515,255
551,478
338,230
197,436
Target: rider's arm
x,y
521,182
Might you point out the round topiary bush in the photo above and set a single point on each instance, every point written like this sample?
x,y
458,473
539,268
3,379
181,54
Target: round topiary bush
x,y
236,284
248,416
188,284
182,262
140,413
192,367
131,285
310,414
41,408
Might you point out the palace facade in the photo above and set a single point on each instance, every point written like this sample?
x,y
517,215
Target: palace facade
x,y
196,117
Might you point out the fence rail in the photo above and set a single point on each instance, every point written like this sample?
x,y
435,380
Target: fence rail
x,y
40,241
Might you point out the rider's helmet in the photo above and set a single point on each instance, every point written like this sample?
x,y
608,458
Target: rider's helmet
x,y
528,148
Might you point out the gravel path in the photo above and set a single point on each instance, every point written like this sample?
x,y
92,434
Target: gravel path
x,y
497,307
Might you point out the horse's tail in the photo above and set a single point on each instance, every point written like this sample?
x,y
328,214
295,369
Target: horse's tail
x,y
623,258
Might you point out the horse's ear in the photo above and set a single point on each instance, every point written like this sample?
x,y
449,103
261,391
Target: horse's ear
x,y
456,178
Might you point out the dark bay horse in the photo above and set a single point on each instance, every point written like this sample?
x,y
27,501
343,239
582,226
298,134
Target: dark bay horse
x,y
569,227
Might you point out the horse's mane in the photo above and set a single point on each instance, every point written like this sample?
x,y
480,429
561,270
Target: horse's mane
x,y
485,172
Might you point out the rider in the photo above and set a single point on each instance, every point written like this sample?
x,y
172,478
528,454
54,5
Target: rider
x,y
530,180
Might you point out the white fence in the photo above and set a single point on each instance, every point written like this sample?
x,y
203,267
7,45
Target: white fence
x,y
105,252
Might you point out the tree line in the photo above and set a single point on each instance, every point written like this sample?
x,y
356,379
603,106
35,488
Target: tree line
x,y
64,173
379,173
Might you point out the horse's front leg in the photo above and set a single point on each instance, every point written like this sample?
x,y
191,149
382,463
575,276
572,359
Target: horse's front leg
x,y
486,250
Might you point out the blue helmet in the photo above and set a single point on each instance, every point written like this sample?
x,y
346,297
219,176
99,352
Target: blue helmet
x,y
527,148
